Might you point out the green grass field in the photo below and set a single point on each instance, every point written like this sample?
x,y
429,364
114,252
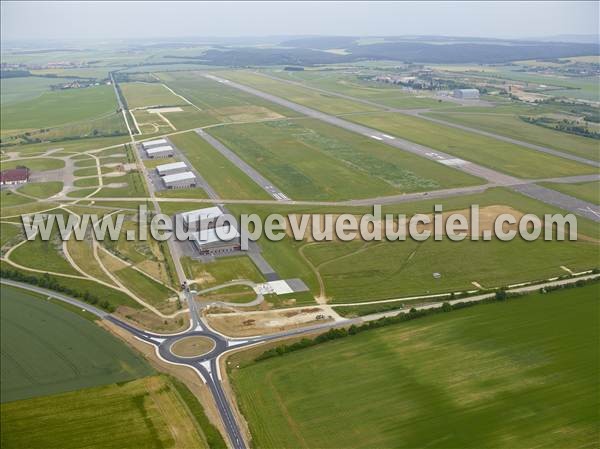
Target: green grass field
x,y
516,128
9,199
400,269
587,191
47,349
128,185
516,374
312,160
144,413
220,271
143,286
217,101
493,153
222,175
9,233
43,255
42,189
74,146
357,272
352,85
58,108
313,99
34,164
141,95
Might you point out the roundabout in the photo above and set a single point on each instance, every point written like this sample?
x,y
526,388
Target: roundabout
x,y
192,346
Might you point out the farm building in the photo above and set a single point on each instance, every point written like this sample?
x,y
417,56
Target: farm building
x,y
159,152
13,176
466,94
202,218
169,169
180,180
207,241
154,143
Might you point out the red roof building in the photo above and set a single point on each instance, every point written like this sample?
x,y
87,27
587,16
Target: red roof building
x,y
17,175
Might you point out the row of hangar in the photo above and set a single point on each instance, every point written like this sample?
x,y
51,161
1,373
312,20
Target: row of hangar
x,y
175,175
211,238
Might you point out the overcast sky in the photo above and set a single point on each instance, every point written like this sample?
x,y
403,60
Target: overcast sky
x,y
28,19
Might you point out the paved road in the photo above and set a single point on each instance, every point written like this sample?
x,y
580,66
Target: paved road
x,y
579,207
419,113
207,365
259,179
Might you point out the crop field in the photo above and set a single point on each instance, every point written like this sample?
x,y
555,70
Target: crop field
x,y
312,160
144,413
516,128
494,375
503,156
352,85
47,349
222,175
313,99
15,90
587,191
58,108
143,95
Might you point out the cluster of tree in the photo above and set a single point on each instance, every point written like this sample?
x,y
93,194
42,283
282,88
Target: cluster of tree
x,y
579,283
566,126
51,283
336,333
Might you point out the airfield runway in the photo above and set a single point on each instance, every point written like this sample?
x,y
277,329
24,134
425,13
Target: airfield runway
x,y
566,202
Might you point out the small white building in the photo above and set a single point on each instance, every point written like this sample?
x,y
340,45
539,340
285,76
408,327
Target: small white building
x,y
180,180
172,168
466,94
207,241
154,143
159,152
202,218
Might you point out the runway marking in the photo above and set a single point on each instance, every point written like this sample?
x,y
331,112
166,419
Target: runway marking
x,y
376,137
589,209
388,136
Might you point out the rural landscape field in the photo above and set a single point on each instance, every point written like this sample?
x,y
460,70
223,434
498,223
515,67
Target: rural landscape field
x,y
412,215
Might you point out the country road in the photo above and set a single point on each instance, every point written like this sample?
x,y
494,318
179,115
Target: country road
x,y
207,365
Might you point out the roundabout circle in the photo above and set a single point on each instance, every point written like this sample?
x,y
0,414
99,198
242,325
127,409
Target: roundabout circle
x,y
192,346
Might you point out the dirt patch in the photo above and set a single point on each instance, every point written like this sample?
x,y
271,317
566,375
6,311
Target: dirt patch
x,y
248,113
487,217
164,110
151,321
245,324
